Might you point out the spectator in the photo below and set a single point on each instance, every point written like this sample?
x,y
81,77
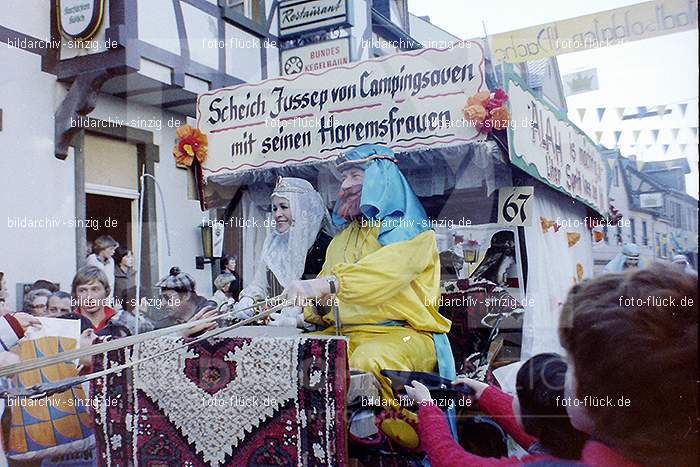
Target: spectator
x,y
103,251
4,309
180,302
223,284
124,272
44,284
228,265
541,425
632,339
127,315
59,304
12,329
90,290
680,262
36,302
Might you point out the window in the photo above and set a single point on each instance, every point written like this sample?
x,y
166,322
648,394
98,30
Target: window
x,y
249,14
633,231
619,234
645,234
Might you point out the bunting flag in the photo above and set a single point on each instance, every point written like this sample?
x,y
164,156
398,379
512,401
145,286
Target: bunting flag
x,y
598,135
683,108
660,109
636,134
666,146
683,146
640,165
620,112
695,131
617,137
581,113
655,133
611,163
641,111
675,133
601,112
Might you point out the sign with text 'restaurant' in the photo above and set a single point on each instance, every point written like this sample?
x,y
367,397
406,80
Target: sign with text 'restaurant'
x,y
300,16
315,57
79,19
407,101
554,150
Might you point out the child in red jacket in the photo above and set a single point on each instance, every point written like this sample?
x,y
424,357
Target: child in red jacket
x,y
542,426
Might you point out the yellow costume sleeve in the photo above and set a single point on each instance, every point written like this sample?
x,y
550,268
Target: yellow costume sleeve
x,y
379,276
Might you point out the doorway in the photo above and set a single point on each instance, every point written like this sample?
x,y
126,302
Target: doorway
x,y
109,215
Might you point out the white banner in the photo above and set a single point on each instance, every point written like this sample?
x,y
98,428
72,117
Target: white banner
x,y
602,29
554,150
406,101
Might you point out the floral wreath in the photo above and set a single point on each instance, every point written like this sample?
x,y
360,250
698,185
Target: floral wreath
x,y
191,150
487,111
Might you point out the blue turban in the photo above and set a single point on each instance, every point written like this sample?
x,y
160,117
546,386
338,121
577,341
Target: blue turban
x,y
386,195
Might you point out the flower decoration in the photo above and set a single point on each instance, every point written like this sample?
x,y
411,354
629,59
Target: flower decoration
x,y
192,144
572,238
547,224
487,111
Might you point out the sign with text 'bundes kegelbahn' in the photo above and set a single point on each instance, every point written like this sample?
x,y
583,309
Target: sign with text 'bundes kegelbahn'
x,y
554,150
407,101
302,16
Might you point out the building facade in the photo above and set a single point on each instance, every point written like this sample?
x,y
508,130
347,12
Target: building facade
x,y
95,95
657,214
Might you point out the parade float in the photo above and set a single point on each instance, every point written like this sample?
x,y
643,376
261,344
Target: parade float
x,y
510,188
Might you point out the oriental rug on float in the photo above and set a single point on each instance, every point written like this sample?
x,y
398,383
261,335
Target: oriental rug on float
x,y
241,401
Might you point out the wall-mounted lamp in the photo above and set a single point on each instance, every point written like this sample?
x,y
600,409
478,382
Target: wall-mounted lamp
x,y
207,233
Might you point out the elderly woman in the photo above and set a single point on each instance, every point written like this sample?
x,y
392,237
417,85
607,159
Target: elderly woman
x,y
293,250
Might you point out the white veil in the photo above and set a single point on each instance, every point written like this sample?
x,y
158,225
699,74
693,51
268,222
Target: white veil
x,y
285,254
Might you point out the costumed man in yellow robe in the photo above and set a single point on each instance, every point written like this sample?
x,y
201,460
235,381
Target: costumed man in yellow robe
x,y
384,269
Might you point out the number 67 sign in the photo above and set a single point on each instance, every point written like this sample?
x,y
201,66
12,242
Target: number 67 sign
x,y
514,205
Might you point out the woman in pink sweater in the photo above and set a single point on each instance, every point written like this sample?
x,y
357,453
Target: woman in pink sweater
x,y
542,426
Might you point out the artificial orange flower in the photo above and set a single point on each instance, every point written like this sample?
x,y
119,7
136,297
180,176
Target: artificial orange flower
x,y
500,117
192,143
480,98
475,113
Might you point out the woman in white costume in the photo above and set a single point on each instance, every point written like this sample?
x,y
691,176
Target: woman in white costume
x,y
294,249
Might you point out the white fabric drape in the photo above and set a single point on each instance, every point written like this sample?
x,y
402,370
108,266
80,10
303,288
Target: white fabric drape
x,y
253,237
552,268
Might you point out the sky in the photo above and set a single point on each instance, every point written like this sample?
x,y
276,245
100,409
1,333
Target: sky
x,y
650,72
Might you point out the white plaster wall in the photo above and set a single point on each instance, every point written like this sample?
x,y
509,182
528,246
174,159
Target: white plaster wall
x,y
362,22
202,36
157,24
243,57
32,17
35,185
183,215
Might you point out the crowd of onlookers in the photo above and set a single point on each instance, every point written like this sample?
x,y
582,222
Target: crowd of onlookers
x,y
103,297
624,395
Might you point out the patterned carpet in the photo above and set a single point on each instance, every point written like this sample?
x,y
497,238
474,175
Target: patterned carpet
x,y
240,401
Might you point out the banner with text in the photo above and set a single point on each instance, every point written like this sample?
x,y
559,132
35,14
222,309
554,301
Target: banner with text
x,y
602,29
554,150
406,101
